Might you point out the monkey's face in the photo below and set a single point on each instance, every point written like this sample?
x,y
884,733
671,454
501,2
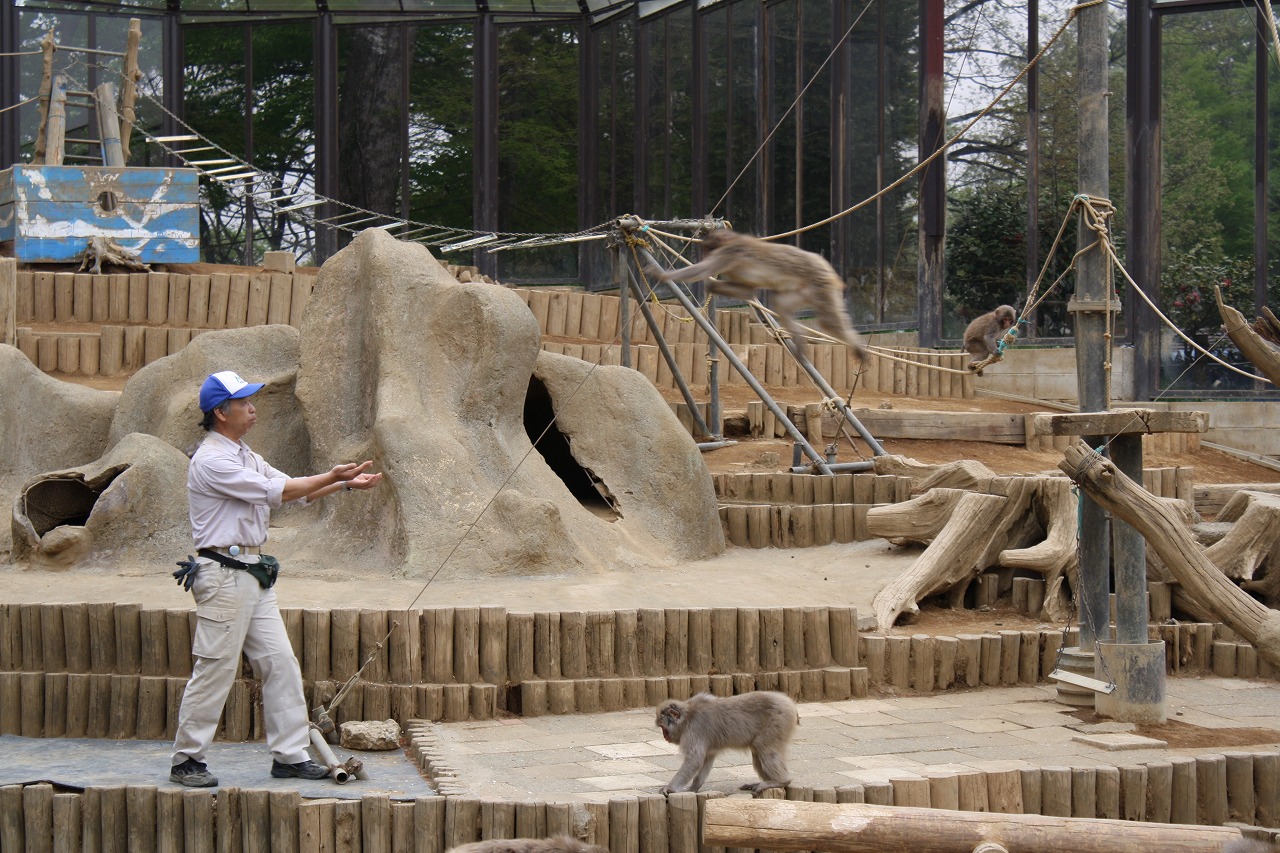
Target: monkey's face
x,y
668,720
1006,316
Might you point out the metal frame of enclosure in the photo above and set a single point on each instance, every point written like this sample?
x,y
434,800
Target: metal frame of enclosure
x,y
674,98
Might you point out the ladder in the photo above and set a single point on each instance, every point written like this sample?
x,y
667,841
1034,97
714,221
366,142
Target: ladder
x,y
114,126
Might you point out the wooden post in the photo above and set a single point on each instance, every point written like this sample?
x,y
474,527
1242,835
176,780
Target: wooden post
x,y
573,644
626,643
599,638
9,301
129,93
109,126
48,45
520,647
493,645
344,643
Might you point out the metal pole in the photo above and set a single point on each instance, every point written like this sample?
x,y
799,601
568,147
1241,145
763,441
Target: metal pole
x,y
624,306
1130,551
658,337
720,342
1093,299
713,376
823,385
837,467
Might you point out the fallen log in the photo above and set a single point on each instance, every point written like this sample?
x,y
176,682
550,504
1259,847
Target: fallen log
x,y
862,828
1262,354
1166,533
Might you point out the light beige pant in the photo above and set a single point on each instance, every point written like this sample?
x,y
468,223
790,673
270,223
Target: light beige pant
x,y
233,614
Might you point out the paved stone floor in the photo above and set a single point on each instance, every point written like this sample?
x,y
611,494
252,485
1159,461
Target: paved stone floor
x,y
591,758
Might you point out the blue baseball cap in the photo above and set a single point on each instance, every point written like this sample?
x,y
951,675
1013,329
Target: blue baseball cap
x,y
223,386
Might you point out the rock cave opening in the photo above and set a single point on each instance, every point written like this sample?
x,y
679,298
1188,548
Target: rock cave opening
x,y
582,482
59,501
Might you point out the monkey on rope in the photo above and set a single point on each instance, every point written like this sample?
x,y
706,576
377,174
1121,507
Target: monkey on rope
x,y
796,278
982,335
762,721
556,844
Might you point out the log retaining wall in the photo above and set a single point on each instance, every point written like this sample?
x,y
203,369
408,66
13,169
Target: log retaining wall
x,y
1238,786
107,670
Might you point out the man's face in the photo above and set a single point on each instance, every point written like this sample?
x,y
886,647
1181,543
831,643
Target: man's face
x,y
239,418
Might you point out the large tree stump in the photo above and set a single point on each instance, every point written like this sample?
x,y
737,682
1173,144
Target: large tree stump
x,y
952,558
1055,556
1166,533
1253,537
1263,355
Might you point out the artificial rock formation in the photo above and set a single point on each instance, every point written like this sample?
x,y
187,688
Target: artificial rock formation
x,y
161,399
444,386
45,424
128,506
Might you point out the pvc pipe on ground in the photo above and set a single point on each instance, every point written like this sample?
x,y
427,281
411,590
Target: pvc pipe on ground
x,y
327,758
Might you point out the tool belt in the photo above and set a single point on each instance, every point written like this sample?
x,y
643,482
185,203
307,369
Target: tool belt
x,y
265,570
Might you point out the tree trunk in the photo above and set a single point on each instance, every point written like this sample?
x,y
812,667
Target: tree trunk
x,y
369,136
1166,533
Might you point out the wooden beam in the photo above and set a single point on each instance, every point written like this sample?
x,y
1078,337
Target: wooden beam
x,y
1119,422
861,828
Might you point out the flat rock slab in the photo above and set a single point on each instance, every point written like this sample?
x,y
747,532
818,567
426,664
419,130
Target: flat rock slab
x,y
80,763
1110,728
1119,741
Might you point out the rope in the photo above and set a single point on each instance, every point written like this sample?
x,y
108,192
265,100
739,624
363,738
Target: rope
x,y
1075,10
20,103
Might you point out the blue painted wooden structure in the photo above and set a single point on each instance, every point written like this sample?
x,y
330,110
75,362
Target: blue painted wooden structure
x,y
48,213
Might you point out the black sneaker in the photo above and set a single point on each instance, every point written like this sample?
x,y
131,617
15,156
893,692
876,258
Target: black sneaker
x,y
302,770
192,774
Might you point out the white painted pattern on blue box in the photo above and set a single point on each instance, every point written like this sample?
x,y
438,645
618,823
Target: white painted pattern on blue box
x,y
50,212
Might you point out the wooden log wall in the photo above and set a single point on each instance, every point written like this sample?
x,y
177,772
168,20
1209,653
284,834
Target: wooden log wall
x,y
107,670
1205,790
771,509
783,487
113,324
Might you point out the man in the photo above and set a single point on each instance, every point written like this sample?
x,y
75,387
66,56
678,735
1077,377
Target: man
x,y
231,491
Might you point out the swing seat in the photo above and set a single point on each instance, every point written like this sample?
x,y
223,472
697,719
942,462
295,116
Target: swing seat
x,y
1082,681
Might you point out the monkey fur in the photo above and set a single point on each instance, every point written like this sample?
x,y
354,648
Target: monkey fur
x,y
761,721
744,264
1248,845
981,337
557,844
